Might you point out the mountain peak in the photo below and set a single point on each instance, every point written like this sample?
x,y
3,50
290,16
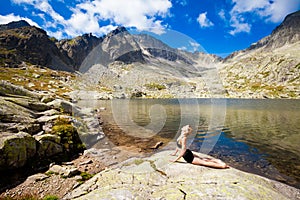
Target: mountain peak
x,y
291,22
286,33
14,24
118,30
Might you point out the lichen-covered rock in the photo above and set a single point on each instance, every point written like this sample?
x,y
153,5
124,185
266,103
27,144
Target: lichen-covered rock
x,y
16,150
156,178
31,104
48,145
7,88
11,112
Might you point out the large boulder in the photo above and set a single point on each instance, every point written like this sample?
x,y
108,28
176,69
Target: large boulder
x,y
156,178
16,150
63,105
48,145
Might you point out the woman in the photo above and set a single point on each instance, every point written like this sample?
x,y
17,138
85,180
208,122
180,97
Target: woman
x,y
188,155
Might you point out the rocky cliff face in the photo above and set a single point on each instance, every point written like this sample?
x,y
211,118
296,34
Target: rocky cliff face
x,y
20,42
288,32
78,48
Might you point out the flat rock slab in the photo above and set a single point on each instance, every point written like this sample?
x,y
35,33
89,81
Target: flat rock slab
x,y
156,178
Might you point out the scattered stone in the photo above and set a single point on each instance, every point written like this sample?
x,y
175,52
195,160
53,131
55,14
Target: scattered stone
x,y
65,171
47,99
37,177
68,163
66,106
34,75
86,162
30,85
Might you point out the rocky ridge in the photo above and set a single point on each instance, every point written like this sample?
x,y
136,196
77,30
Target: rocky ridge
x,y
20,42
268,68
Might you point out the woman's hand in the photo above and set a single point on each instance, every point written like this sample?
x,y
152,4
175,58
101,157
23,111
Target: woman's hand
x,y
174,154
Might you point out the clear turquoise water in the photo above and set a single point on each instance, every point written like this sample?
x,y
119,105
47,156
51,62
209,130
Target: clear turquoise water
x,y
257,136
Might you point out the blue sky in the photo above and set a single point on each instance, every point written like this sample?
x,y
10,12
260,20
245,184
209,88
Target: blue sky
x,y
219,26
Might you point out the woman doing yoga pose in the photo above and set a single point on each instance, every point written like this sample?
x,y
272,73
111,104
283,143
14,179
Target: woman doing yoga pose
x,y
192,158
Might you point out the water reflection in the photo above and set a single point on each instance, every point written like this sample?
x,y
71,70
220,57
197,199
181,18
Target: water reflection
x,y
259,136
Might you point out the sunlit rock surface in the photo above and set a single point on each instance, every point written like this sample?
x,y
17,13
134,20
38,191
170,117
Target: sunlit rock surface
x,y
156,178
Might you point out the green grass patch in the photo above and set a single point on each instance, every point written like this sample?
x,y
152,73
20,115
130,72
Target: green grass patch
x,y
47,78
50,197
68,134
50,173
138,161
155,86
255,86
86,176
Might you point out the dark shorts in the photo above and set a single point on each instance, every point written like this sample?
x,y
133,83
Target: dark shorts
x,y
188,156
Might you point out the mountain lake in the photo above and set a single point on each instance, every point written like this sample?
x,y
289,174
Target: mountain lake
x,y
256,136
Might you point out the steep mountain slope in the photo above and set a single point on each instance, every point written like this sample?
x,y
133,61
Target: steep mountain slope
x,y
288,32
20,42
126,65
78,48
269,68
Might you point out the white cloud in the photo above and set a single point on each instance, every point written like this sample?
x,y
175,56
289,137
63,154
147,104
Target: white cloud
x,y
269,11
183,48
222,14
277,11
239,26
195,45
138,13
5,19
204,21
45,7
141,14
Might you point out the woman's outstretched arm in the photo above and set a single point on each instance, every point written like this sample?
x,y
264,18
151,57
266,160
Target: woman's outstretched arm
x,y
183,149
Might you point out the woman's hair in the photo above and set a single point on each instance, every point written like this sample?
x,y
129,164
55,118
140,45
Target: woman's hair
x,y
185,131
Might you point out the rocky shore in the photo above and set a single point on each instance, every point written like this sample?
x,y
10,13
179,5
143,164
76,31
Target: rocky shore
x,y
155,177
